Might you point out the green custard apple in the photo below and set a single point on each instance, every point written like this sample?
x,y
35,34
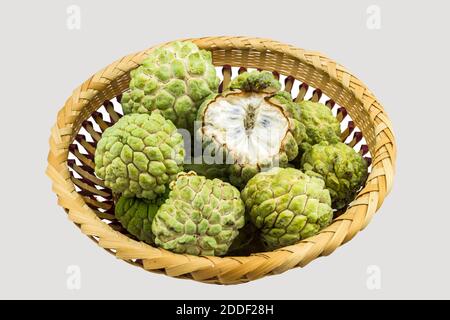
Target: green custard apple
x,y
139,155
175,79
342,168
319,123
252,127
287,205
200,216
136,216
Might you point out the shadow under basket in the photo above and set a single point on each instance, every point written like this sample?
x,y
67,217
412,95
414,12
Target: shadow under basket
x,y
95,105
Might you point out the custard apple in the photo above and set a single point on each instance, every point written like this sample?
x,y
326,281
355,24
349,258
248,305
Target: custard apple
x,y
253,130
136,216
200,217
175,79
343,169
256,81
319,123
139,155
287,205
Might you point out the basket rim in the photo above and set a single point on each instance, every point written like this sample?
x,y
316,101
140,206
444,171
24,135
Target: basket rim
x,y
228,269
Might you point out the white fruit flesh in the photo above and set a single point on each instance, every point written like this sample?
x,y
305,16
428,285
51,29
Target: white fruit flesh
x,y
251,128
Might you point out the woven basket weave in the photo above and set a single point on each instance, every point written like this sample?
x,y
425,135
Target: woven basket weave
x,y
89,204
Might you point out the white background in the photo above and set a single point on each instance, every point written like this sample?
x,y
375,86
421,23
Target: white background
x,y
405,63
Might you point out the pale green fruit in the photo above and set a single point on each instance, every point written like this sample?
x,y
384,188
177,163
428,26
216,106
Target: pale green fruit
x,y
320,124
174,79
139,155
343,169
287,206
136,216
200,217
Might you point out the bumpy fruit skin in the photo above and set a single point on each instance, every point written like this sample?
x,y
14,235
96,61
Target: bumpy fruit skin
x,y
245,89
175,79
287,205
319,123
139,155
343,169
136,216
256,81
200,217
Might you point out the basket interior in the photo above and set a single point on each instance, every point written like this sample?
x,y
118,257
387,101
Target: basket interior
x,y
105,109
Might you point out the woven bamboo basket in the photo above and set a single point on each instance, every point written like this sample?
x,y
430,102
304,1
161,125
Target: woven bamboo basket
x,y
94,106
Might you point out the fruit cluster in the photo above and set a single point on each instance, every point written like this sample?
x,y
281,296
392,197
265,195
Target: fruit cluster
x,y
270,171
